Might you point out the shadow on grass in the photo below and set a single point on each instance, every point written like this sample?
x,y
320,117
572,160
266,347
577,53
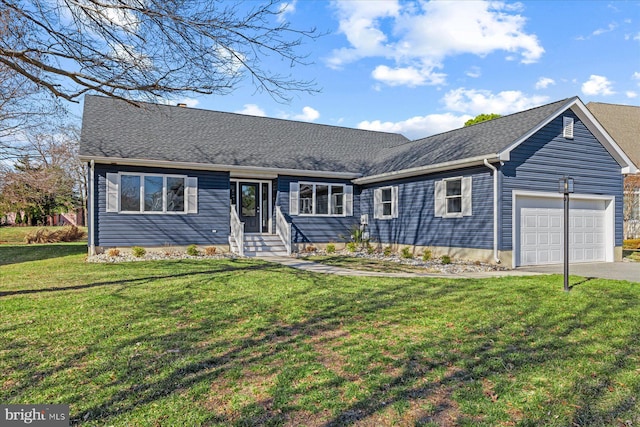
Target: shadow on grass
x,y
15,254
137,280
300,370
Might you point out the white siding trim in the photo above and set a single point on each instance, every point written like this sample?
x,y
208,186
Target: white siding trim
x,y
294,194
377,203
467,208
348,200
191,195
439,199
394,201
113,193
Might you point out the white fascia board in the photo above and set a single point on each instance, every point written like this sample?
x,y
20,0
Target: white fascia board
x,y
235,171
505,155
425,170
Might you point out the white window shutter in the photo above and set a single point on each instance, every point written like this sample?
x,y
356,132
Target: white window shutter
x,y
348,200
192,195
113,194
439,199
377,203
294,194
567,127
466,196
394,202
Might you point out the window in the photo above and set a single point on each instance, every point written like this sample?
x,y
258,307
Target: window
x,y
310,198
151,193
453,189
452,197
385,202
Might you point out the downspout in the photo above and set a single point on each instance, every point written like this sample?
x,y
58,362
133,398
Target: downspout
x,y
495,210
92,242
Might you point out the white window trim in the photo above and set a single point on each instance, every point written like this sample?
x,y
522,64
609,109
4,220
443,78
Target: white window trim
x,y
330,201
440,197
164,194
378,203
448,214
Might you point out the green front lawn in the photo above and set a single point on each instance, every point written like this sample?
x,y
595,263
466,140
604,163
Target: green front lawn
x,y
222,342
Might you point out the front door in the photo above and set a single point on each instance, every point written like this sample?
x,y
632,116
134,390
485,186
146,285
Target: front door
x,y
250,206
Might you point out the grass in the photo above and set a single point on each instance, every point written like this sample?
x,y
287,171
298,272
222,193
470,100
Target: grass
x,y
222,342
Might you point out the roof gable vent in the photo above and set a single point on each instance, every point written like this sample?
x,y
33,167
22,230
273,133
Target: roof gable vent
x,y
567,127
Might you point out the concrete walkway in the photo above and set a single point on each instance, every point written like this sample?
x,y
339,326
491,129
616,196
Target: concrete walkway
x,y
605,270
316,267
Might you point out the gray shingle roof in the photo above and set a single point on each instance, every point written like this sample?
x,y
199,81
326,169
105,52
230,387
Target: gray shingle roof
x,y
484,138
114,128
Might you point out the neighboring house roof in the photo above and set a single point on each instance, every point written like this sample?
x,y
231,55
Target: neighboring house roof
x,y
622,122
116,129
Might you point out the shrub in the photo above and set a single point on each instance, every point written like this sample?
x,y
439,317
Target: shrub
x,y
406,253
64,234
310,248
427,255
445,259
210,250
192,250
331,248
351,246
138,252
113,252
370,249
387,251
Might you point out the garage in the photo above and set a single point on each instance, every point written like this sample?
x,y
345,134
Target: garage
x,y
539,230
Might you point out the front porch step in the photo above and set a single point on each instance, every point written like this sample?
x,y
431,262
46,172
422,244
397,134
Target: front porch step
x,y
263,245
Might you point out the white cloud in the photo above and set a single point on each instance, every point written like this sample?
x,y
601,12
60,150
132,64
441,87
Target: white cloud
x,y
308,114
252,110
597,85
636,76
420,36
631,94
408,76
544,82
473,101
474,72
286,8
419,126
190,102
609,28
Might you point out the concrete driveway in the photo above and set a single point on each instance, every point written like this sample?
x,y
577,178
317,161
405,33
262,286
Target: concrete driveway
x,y
604,270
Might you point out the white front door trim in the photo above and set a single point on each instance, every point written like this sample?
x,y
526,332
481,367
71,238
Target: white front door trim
x,y
609,215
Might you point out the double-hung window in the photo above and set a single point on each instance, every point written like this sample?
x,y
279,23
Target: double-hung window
x,y
151,193
385,202
452,197
320,199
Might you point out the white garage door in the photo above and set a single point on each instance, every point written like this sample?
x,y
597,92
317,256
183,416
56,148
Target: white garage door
x,y
541,231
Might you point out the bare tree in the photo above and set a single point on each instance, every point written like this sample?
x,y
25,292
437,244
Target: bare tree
x,y
23,105
134,49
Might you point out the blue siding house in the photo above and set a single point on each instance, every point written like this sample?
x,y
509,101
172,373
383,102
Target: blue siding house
x,y
173,176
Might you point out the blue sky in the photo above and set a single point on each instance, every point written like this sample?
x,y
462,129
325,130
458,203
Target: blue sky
x,y
424,67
